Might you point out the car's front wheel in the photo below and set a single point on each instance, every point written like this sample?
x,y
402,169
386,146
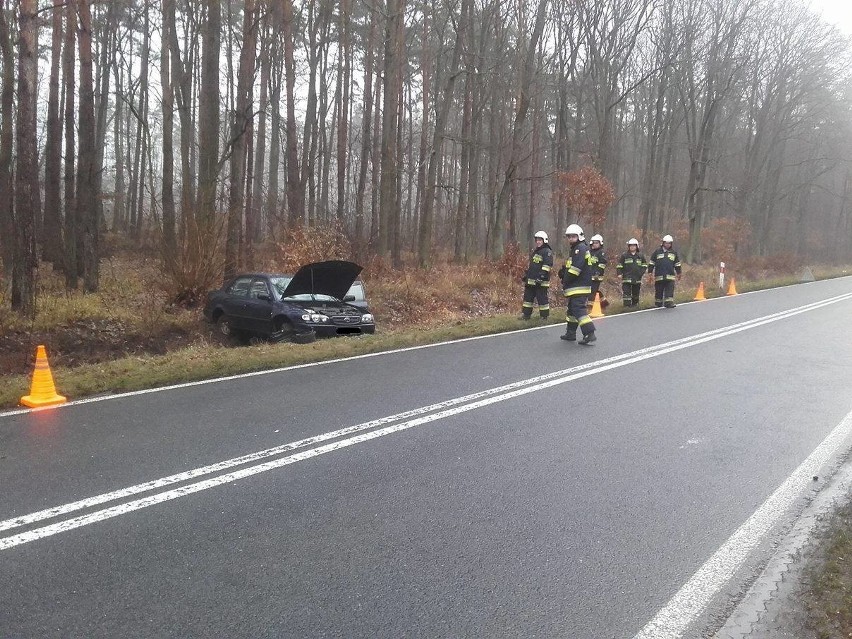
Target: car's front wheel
x,y
285,332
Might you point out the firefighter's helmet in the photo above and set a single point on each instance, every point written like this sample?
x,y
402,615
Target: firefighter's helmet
x,y
633,240
541,235
597,238
668,238
574,229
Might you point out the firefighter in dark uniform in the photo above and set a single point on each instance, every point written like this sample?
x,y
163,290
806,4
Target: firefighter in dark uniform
x,y
631,268
598,261
537,278
664,265
576,276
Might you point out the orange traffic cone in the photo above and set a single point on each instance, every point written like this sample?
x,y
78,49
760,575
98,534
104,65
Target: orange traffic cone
x,y
699,295
596,307
732,287
42,391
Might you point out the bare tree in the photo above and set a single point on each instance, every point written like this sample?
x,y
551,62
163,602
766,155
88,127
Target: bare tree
x,y
240,122
27,201
52,249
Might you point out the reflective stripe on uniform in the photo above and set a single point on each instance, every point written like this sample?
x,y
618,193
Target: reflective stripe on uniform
x,y
578,290
585,320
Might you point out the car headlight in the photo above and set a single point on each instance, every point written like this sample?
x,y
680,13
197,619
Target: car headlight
x,y
367,318
316,318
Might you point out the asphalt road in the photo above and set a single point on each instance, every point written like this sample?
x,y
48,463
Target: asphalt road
x,y
482,492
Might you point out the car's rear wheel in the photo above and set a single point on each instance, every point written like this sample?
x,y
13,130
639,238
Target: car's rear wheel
x,y
225,329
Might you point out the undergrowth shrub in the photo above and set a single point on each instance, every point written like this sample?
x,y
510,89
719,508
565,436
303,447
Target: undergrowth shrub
x,y
194,266
302,245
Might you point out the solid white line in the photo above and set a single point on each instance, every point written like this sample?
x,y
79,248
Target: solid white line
x,y
195,473
675,617
201,382
123,493
627,359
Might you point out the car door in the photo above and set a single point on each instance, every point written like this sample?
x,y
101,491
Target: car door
x,y
259,306
235,302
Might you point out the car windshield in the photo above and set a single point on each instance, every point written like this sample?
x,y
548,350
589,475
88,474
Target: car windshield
x,y
280,283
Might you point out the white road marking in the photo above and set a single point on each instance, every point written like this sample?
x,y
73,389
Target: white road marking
x,y
201,382
163,482
454,407
690,601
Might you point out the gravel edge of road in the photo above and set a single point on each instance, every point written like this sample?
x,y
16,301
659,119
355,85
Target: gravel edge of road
x,y
772,607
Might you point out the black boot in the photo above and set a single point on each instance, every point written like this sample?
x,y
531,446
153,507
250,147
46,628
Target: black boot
x,y
568,336
588,338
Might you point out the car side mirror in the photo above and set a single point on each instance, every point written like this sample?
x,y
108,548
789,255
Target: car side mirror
x,y
349,298
264,297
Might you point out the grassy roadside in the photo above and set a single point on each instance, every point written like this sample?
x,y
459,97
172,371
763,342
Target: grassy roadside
x,y
204,361
826,590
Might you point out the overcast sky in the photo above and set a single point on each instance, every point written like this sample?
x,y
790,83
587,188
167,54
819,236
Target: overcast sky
x,y
837,11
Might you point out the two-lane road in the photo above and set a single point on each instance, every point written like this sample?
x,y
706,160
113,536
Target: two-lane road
x,y
507,486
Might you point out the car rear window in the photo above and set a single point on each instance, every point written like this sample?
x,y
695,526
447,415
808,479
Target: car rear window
x,y
357,291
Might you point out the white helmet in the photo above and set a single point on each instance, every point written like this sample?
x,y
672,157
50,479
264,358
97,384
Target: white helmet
x,y
668,238
574,229
632,240
542,235
597,238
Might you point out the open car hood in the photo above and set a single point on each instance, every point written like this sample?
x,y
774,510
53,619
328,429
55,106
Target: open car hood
x,y
334,278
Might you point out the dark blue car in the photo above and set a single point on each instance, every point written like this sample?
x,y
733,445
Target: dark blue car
x,y
313,302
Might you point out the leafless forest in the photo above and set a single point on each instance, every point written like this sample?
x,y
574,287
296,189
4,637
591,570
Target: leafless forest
x,y
424,131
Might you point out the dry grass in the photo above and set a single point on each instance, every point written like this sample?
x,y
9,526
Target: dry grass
x,y
827,594
128,336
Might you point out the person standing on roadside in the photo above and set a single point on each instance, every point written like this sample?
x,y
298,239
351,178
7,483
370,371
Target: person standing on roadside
x,y
664,266
576,276
631,268
537,278
598,262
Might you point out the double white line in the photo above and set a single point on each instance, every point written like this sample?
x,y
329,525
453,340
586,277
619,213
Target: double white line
x,y
248,465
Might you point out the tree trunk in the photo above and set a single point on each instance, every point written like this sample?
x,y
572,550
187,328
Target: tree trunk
x,y
27,203
253,213
239,125
208,135
69,82
87,183
295,194
343,112
7,97
392,81
517,130
52,249
366,134
424,248
168,196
